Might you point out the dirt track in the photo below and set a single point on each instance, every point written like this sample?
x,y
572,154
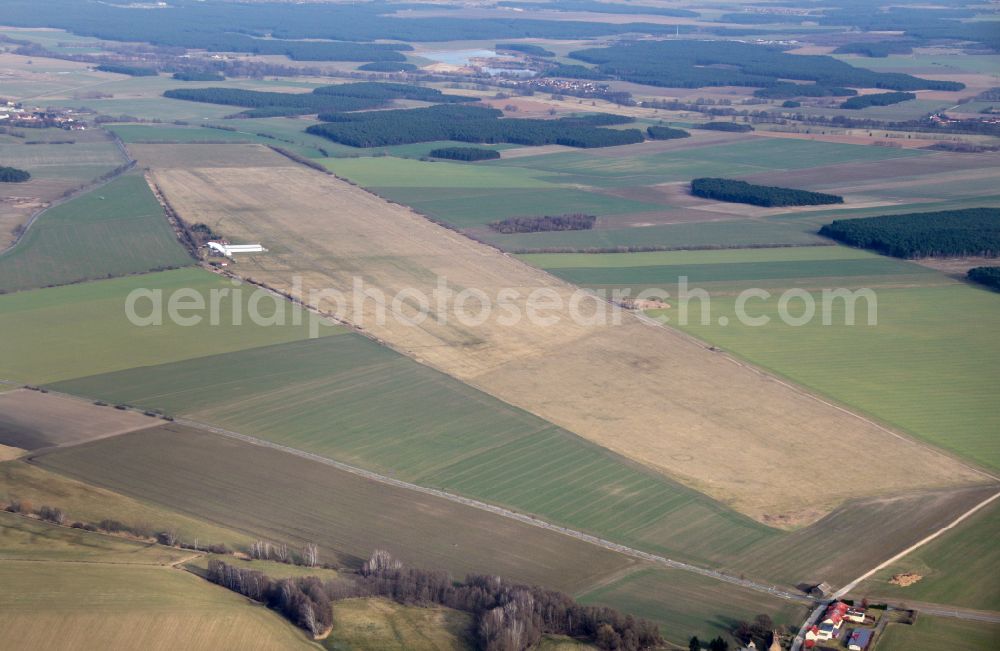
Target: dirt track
x,y
648,393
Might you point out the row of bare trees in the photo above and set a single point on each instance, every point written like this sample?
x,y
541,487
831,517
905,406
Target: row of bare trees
x,y
264,550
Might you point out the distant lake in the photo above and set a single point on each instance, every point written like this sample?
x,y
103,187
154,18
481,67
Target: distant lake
x,y
456,57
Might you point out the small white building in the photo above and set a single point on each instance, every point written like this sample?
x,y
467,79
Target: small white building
x,y
229,250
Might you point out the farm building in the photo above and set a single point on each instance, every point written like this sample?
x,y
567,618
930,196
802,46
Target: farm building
x,y
856,615
860,639
229,250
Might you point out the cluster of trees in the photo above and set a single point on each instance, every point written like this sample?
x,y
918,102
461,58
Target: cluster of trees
x,y
876,99
735,127
196,75
465,153
465,124
13,175
693,64
758,195
122,69
525,48
264,550
718,644
570,222
782,91
989,276
665,133
876,49
947,233
341,97
790,103
302,600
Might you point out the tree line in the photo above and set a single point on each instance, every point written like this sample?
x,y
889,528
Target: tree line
x,y
782,91
508,616
758,195
13,175
876,99
570,222
876,49
465,124
465,153
946,233
690,64
122,69
735,127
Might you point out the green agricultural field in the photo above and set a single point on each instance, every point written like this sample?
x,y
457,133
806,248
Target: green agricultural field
x,y
47,605
145,133
699,235
113,230
472,207
750,156
936,633
382,625
286,498
957,568
86,503
407,173
811,266
328,397
89,156
66,332
686,604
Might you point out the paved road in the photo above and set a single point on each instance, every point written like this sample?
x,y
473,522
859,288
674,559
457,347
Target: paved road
x,y
513,515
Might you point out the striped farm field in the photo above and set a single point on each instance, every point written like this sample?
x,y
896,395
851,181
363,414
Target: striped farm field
x,y
329,397
113,230
930,633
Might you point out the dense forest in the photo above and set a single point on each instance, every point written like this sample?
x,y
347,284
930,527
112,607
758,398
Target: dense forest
x,y
947,233
666,133
787,91
525,48
121,69
693,64
876,49
280,27
735,127
989,276
465,153
876,99
507,616
465,124
13,175
572,222
340,97
758,195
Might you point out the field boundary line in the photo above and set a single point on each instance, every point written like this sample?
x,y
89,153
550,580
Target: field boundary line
x,y
920,543
506,513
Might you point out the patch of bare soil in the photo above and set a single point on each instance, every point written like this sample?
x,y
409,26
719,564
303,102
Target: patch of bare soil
x,y
958,267
905,579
